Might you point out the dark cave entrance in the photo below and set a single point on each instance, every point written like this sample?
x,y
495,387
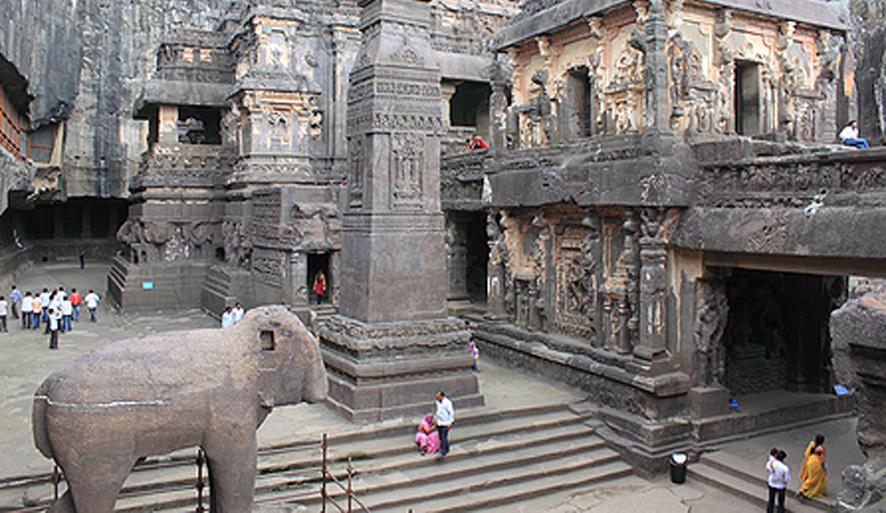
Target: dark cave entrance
x,y
777,336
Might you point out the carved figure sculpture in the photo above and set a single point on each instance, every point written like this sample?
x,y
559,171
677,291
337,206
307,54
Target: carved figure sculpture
x,y
159,393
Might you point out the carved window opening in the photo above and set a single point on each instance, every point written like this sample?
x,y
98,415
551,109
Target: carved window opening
x,y
267,340
469,106
747,98
199,125
578,102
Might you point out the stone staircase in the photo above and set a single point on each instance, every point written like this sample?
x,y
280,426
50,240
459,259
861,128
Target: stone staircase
x,y
497,458
721,471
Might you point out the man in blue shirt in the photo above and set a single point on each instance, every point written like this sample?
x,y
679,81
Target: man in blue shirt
x,y
445,417
15,297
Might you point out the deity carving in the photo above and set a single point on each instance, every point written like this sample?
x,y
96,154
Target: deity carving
x,y
712,314
407,154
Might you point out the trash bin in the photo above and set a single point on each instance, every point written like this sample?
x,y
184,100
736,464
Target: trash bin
x,y
678,468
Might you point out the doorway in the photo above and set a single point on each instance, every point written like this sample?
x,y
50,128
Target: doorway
x,y
777,336
319,263
747,98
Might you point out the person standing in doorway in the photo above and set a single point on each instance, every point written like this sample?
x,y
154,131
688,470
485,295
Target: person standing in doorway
x,y
319,286
91,301
15,297
82,259
444,418
779,477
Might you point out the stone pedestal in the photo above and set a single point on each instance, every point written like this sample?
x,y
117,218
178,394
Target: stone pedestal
x,y
393,369
708,402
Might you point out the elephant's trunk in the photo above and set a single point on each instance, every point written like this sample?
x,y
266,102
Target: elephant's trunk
x,y
316,382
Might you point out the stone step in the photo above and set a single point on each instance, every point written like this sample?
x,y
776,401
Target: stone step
x,y
749,488
549,431
512,480
726,463
404,480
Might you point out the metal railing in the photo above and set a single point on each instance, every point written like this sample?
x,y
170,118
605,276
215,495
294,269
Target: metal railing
x,y
300,478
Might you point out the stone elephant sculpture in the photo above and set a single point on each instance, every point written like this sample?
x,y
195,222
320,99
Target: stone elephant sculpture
x,y
163,392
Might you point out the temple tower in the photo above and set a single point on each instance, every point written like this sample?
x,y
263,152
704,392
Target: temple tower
x,y
392,346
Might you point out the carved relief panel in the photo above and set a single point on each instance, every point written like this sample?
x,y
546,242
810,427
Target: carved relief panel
x,y
407,164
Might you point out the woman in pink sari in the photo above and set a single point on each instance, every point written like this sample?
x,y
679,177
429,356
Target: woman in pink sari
x,y
427,438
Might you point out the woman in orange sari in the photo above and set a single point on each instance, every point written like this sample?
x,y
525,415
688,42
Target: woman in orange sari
x,y
813,476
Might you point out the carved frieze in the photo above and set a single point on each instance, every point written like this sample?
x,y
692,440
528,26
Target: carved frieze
x,y
268,266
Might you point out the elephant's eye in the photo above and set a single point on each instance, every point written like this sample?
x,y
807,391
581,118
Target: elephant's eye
x,y
267,340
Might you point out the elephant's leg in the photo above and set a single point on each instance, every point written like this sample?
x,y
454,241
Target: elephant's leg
x,y
65,504
232,464
96,492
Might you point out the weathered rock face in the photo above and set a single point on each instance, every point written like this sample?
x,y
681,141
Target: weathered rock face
x,y
868,19
86,61
858,330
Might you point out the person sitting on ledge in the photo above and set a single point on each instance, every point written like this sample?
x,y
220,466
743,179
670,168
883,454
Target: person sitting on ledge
x,y
849,136
475,143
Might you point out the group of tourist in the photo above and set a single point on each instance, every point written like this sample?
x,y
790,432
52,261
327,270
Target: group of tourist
x,y
813,476
231,315
56,309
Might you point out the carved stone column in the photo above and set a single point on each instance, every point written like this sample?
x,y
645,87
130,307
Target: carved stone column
x,y
392,346
653,287
657,109
447,91
860,363
500,78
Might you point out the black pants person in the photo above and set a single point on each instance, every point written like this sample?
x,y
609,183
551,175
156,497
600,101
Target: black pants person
x,y
53,344
773,494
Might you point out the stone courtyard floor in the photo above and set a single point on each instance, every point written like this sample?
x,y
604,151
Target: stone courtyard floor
x,y
25,361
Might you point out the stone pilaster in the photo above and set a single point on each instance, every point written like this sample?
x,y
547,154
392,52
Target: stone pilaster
x,y
392,345
653,286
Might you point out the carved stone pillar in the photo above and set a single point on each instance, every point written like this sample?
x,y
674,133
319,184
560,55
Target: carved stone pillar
x,y
495,281
657,109
653,286
168,124
392,347
447,90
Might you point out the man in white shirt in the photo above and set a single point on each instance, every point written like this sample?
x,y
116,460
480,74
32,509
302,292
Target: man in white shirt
x,y
27,310
445,417
227,318
67,310
779,477
849,136
238,312
91,301
52,322
4,307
